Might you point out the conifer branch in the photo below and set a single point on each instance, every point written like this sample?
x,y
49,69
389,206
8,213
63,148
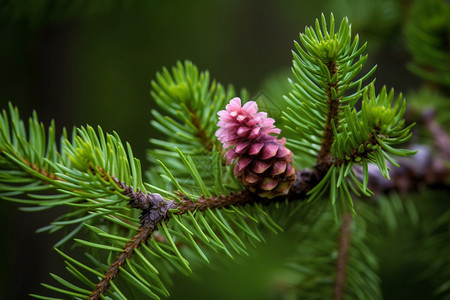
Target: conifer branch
x,y
98,174
362,151
222,201
141,237
325,159
41,171
189,100
156,210
342,260
202,134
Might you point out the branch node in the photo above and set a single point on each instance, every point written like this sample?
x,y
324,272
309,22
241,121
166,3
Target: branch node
x,y
156,210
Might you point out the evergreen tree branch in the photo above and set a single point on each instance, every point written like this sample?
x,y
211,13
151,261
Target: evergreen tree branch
x,y
46,174
189,99
141,237
325,158
324,95
156,210
202,134
342,260
222,201
97,174
361,152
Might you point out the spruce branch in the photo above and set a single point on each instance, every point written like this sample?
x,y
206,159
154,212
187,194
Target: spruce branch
x,y
77,176
154,211
373,131
213,202
97,174
322,111
324,157
152,214
139,238
324,67
190,100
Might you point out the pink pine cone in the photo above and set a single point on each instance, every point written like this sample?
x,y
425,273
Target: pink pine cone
x,y
264,164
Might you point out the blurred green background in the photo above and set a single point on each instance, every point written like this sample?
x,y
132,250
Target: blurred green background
x,y
91,62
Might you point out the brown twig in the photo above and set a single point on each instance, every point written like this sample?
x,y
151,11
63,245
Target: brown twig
x,y
154,211
342,260
140,237
201,132
222,201
324,158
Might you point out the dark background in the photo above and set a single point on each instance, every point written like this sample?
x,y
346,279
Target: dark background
x,y
91,62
